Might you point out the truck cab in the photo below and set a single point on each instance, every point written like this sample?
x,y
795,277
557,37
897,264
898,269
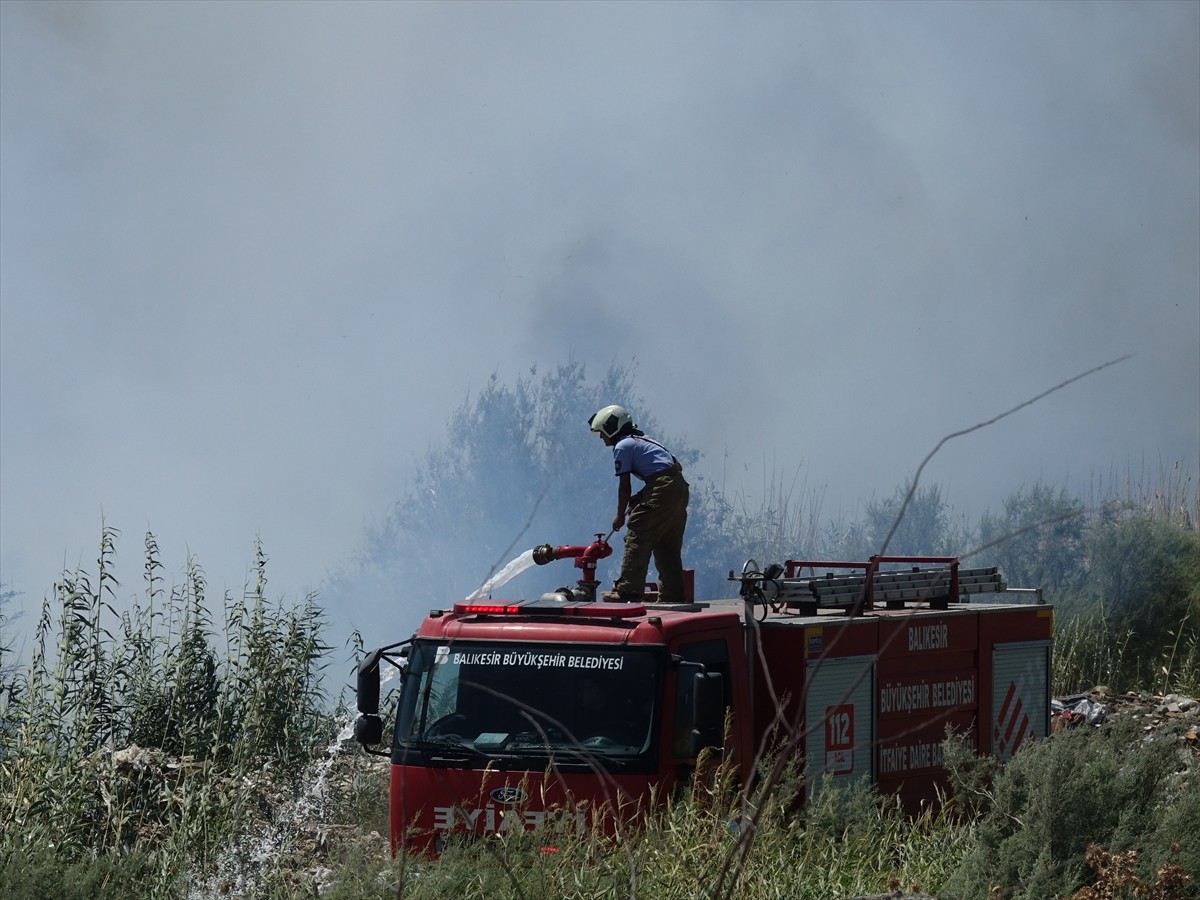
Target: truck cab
x,y
556,712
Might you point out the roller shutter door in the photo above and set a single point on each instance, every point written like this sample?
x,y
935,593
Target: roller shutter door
x,y
1020,695
839,719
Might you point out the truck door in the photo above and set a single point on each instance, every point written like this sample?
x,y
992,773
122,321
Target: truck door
x,y
839,720
714,656
1020,695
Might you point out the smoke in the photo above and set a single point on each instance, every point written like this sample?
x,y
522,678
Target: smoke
x,y
254,256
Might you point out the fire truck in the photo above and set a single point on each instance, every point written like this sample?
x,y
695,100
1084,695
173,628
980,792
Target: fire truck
x,y
567,712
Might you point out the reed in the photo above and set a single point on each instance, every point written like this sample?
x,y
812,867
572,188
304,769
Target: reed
x,y
147,732
1088,652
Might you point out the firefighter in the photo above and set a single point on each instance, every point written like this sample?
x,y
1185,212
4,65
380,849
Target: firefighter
x,y
657,513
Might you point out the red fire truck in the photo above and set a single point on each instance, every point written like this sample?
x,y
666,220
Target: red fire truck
x,y
566,712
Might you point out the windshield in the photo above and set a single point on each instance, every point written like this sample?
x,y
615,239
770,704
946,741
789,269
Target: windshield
x,y
504,700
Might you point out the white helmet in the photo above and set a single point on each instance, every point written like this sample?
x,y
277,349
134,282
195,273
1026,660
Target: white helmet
x,y
610,421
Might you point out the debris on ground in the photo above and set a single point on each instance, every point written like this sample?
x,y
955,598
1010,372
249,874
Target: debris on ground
x,y
1171,715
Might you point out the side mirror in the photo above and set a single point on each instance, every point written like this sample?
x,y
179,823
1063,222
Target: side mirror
x,y
367,686
368,727
368,730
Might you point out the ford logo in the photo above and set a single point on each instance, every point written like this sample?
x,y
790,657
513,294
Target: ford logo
x,y
508,795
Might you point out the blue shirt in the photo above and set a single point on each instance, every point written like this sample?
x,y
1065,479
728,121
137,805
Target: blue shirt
x,y
641,456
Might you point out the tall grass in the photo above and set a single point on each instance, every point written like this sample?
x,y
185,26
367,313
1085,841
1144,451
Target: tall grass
x,y
149,729
848,842
1167,492
1090,652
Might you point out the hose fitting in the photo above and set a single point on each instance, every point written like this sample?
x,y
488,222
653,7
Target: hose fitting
x,y
544,554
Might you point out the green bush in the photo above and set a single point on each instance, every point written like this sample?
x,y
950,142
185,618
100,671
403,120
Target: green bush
x,y
1037,815
1174,838
38,874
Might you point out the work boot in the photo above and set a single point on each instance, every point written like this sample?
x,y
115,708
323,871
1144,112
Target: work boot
x,y
614,597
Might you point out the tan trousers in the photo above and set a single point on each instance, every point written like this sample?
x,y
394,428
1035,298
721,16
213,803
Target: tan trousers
x,y
655,527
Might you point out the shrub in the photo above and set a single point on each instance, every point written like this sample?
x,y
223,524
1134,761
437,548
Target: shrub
x,y
38,873
1038,814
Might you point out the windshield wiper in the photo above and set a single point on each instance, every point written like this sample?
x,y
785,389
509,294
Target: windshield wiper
x,y
445,751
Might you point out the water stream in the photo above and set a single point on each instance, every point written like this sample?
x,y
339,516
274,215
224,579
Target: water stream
x,y
238,869
510,571
240,865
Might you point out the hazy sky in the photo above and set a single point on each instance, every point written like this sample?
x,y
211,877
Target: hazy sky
x,y
253,255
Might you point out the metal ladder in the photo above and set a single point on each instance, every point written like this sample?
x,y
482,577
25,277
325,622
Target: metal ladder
x,y
934,581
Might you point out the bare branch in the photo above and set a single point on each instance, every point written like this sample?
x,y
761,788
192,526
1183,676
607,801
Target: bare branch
x,y
912,489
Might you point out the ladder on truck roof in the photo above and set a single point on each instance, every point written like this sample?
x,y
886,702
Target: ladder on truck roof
x,y
939,584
